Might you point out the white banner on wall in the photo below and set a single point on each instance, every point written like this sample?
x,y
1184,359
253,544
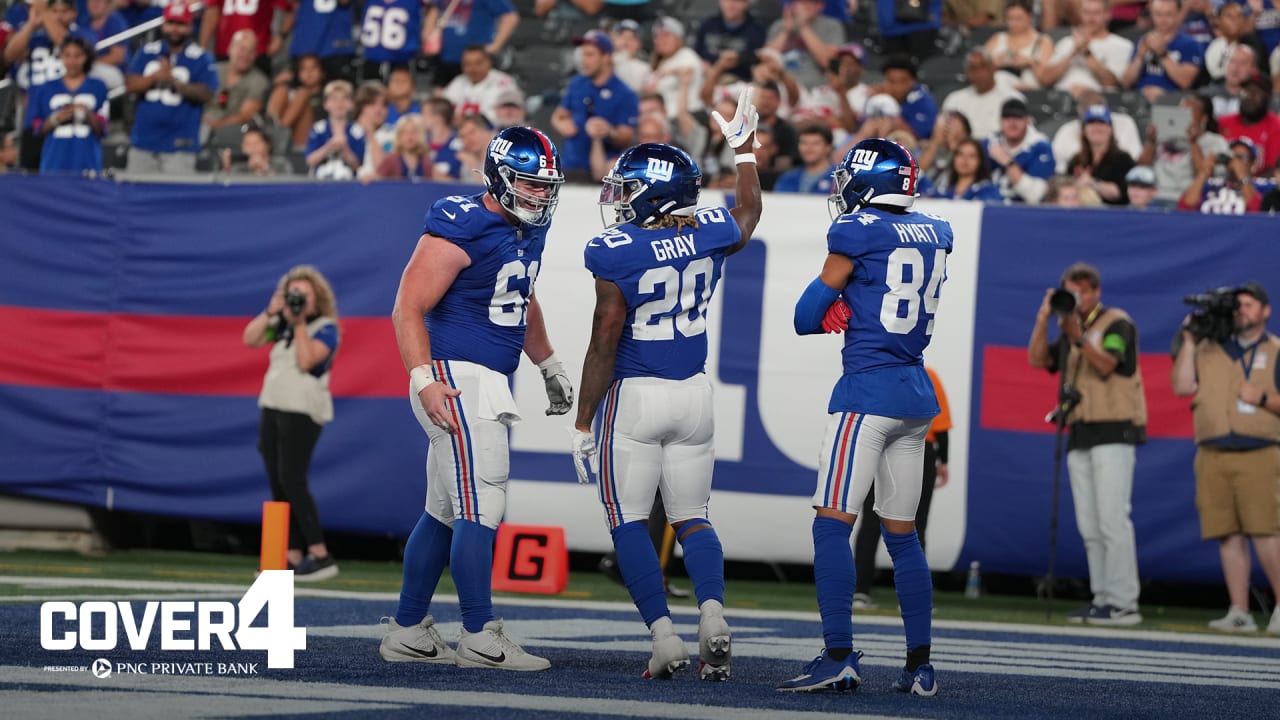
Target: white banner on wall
x,y
796,379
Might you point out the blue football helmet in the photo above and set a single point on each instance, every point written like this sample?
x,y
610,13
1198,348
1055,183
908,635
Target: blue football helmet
x,y
522,172
876,171
648,182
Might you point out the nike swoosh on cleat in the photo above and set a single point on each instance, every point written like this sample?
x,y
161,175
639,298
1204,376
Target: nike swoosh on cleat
x,y
500,657
419,652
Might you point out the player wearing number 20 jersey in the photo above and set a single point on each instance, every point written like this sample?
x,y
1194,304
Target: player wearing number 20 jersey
x,y
656,269
880,285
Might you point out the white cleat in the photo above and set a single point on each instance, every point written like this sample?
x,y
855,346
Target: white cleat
x,y
490,648
669,655
715,644
416,643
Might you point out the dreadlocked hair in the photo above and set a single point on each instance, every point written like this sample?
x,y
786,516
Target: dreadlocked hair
x,y
679,222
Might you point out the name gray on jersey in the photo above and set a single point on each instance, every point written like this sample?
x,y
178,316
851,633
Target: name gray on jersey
x,y
670,249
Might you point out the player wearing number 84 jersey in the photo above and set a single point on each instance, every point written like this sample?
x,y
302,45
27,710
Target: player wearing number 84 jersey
x,y
880,285
656,269
464,312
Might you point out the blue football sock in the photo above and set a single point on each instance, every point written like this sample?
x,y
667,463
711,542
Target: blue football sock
x,y
471,562
704,560
425,556
914,585
835,577
641,570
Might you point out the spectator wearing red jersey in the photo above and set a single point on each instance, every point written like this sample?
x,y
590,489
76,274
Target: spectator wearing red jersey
x,y
222,20
1255,122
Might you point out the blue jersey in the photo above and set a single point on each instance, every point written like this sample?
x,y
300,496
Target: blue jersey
x,y
72,147
113,25
899,265
613,101
394,114
445,162
920,111
166,121
1181,49
391,30
322,28
667,277
481,318
334,167
1267,25
473,23
42,64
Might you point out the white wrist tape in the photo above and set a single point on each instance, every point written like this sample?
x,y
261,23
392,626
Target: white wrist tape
x,y
551,360
741,158
420,378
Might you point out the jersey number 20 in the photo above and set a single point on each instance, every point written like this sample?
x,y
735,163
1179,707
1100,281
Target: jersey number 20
x,y
904,261
654,319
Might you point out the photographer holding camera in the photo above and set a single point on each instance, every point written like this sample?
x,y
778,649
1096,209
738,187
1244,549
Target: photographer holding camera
x,y
1106,417
301,324
1227,359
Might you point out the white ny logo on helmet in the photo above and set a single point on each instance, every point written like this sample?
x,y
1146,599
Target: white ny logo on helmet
x,y
660,170
863,159
499,148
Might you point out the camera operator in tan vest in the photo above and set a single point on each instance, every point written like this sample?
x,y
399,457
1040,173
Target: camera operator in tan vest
x,y
1103,430
1237,421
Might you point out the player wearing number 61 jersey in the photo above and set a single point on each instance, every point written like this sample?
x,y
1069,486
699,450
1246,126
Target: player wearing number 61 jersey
x,y
880,285
656,268
464,312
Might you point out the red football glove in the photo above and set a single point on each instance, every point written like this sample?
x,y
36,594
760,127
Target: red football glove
x,y
837,318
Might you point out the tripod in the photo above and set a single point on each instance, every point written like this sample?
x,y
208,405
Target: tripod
x,y
1068,398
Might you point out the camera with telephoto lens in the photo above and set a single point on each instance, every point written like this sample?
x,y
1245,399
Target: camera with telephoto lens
x,y
1063,301
1214,314
297,301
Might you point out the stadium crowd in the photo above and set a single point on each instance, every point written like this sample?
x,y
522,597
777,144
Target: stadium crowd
x,y
1157,104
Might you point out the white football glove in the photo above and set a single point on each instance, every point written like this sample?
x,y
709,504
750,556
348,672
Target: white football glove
x,y
743,124
559,389
585,462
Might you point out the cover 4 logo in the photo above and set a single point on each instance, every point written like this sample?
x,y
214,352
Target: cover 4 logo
x,y
71,626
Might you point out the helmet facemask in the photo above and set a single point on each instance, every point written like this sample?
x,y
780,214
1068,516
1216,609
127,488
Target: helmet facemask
x,y
530,208
617,194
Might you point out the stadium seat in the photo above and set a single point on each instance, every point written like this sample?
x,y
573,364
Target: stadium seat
x,y
1131,102
115,155
525,8
942,69
1046,103
980,35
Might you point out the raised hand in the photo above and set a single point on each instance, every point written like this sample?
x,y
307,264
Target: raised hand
x,y
743,125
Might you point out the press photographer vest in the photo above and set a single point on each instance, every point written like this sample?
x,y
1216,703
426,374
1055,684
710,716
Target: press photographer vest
x,y
1105,399
288,388
1219,377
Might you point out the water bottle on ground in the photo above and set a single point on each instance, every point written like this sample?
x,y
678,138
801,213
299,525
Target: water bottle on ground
x,y
973,588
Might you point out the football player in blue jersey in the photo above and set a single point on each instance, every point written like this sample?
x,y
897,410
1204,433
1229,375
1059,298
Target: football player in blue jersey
x,y
656,268
880,285
464,312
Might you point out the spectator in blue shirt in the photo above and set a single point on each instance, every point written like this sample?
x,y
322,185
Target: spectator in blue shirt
x,y
335,147
40,31
473,22
1021,156
919,109
732,34
102,20
1164,59
595,105
173,78
814,174
72,113
909,28
323,28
